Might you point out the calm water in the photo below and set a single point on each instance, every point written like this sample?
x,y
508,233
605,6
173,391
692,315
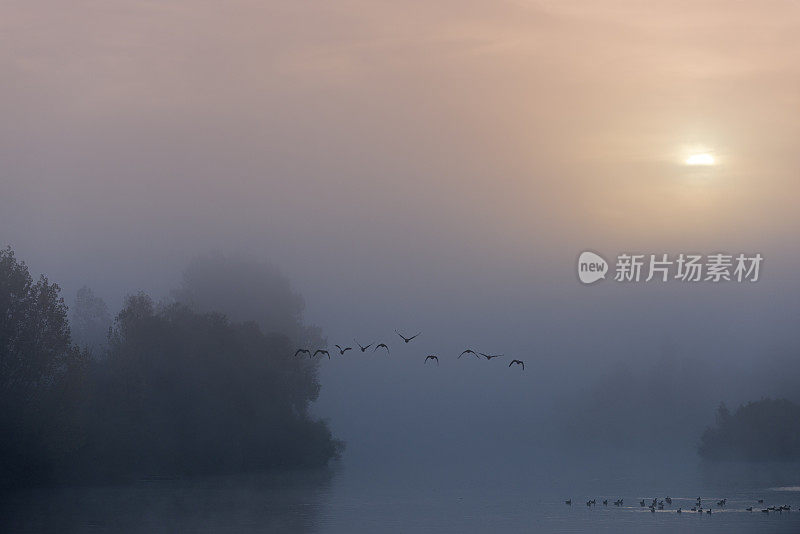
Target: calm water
x,y
420,496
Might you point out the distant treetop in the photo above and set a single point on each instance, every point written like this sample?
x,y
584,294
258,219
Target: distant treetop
x,y
765,430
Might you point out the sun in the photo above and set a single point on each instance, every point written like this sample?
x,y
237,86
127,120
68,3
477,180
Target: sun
x,y
700,159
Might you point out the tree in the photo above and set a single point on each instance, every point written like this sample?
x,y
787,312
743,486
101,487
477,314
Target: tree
x,y
179,391
183,392
90,321
33,329
759,431
245,289
36,357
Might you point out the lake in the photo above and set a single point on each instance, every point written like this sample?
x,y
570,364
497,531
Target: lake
x,y
413,494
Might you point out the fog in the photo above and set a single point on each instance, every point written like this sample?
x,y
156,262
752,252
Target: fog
x,y
435,169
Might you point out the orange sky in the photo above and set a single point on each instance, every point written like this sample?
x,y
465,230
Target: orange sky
x,y
341,130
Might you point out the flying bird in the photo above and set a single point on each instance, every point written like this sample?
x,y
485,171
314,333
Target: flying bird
x,y
406,339
518,362
362,347
490,356
343,350
302,351
325,352
381,345
432,357
469,351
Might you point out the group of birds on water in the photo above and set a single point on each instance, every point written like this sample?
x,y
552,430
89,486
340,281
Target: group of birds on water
x,y
698,507
431,357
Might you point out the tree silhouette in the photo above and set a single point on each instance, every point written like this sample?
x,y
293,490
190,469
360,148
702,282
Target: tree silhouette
x,y
38,366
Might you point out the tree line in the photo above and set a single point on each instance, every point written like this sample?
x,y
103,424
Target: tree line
x,y
168,389
768,429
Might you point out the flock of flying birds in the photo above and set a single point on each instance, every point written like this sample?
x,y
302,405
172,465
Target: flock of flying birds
x,y
432,357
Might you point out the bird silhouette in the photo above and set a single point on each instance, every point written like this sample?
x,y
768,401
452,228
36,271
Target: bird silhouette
x,y
363,347
569,502
381,345
343,350
432,357
406,339
490,356
302,351
518,362
469,351
325,352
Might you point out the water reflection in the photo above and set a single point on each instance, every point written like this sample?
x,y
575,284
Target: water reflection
x,y
440,497
275,502
735,476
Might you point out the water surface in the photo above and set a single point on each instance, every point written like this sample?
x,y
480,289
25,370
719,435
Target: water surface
x,y
426,496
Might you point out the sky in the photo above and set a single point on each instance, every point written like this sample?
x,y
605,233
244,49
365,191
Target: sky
x,y
427,166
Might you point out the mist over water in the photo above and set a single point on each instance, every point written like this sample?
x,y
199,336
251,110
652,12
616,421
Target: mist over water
x,y
359,168
483,496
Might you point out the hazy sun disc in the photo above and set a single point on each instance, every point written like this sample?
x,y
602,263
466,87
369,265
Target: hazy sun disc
x,y
700,159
